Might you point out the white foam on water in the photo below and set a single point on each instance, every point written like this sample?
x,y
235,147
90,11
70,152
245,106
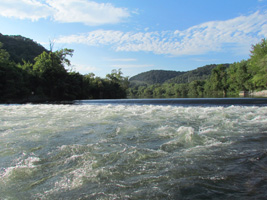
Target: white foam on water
x,y
24,166
119,147
76,177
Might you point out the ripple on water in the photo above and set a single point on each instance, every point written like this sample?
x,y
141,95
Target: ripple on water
x,y
132,152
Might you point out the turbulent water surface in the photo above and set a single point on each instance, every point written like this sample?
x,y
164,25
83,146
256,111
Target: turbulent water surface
x,y
133,151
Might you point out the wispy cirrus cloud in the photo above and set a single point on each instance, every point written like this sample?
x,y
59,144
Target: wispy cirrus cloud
x,y
82,68
213,36
25,9
124,66
65,11
127,63
121,59
87,12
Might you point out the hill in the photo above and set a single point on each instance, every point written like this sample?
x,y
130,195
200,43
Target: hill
x,y
200,73
21,48
164,76
153,77
45,78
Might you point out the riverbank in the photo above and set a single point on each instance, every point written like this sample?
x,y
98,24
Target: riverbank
x,y
262,93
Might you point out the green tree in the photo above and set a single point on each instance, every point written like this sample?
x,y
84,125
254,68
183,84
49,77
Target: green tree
x,y
218,80
21,48
12,84
181,90
169,90
117,84
258,64
116,77
74,86
159,92
196,89
238,77
148,92
89,86
4,55
49,68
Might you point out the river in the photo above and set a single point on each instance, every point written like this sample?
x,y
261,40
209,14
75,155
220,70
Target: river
x,y
134,149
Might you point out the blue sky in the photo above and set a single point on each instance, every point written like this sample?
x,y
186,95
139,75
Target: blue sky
x,y
140,35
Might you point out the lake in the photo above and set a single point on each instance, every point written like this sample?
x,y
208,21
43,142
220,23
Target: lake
x,y
135,149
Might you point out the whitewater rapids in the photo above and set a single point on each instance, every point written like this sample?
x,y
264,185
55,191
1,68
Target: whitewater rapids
x,y
113,151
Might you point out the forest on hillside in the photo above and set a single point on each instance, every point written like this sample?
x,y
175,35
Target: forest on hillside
x,y
166,76
153,77
20,48
38,75
222,80
47,77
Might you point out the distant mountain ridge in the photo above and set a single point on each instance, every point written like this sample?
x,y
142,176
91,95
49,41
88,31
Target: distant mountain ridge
x,y
200,73
21,48
165,76
154,77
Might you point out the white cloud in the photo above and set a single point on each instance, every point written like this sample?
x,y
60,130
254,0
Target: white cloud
x,y
121,59
87,12
230,35
84,68
66,11
25,9
264,30
211,60
132,66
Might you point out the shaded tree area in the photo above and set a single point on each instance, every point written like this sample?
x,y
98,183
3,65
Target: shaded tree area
x,y
21,48
46,79
257,65
12,78
223,80
201,73
154,77
165,76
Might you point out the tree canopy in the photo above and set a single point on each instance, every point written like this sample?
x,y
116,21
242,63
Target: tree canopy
x,y
27,77
47,79
154,77
258,64
21,48
213,80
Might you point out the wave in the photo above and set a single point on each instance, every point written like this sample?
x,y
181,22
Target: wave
x,y
132,151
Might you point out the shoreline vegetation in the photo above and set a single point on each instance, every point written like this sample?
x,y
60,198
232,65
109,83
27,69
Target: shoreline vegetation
x,y
247,78
47,77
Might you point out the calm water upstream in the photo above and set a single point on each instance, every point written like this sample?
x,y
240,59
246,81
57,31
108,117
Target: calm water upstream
x,y
138,149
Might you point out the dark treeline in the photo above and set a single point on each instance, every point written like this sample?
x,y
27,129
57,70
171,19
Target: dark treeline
x,y
154,77
224,80
21,48
47,79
